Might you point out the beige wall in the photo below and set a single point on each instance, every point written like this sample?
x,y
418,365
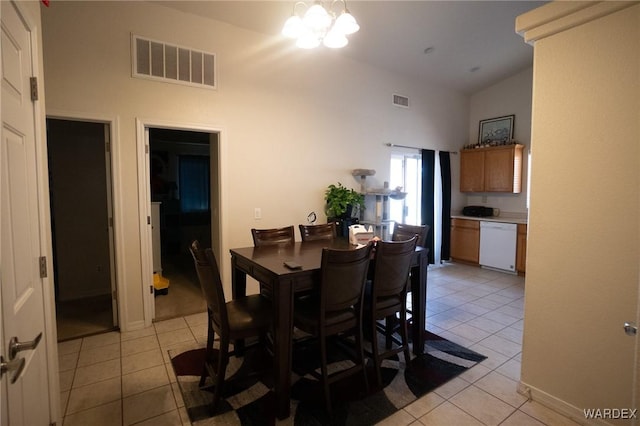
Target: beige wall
x,y
583,244
510,96
291,121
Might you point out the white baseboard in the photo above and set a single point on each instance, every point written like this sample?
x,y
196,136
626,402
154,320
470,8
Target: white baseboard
x,y
132,326
574,413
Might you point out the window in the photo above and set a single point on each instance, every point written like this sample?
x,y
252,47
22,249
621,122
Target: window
x,y
194,183
405,171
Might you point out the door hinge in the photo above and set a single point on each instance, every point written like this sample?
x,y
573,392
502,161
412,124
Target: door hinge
x,y
43,267
34,88
107,146
146,149
151,289
148,220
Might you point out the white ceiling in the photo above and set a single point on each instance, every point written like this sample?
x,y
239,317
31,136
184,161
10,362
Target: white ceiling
x,y
394,34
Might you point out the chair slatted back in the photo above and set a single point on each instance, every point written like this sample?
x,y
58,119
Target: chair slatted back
x,y
211,285
326,231
274,236
392,266
403,232
343,274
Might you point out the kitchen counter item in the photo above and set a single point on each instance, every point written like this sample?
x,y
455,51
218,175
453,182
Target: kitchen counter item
x,y
498,245
477,211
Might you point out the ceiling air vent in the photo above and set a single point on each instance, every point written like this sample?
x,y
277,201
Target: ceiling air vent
x,y
401,101
161,61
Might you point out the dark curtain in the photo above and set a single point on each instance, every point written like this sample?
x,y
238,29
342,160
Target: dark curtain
x,y
194,183
445,171
427,205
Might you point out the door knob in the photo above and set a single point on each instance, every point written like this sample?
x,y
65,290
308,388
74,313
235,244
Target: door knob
x,y
15,346
630,328
16,365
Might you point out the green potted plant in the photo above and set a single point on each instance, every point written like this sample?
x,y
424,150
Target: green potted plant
x,y
341,202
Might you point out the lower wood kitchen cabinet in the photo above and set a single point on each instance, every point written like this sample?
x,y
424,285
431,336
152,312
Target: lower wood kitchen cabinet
x,y
465,243
465,240
521,249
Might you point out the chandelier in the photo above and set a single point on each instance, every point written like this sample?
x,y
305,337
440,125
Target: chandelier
x,y
320,25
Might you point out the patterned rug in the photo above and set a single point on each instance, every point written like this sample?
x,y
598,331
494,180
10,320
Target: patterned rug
x,y
249,401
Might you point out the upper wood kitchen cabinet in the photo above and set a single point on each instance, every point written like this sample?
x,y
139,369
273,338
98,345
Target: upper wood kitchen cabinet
x,y
472,170
492,169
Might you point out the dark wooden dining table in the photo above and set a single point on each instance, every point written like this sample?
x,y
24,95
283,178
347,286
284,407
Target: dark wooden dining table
x,y
266,265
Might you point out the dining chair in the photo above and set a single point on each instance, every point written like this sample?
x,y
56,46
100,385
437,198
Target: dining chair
x,y
249,316
403,232
326,231
273,236
335,308
387,297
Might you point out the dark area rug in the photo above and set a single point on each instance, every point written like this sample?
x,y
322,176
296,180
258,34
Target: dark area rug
x,y
248,399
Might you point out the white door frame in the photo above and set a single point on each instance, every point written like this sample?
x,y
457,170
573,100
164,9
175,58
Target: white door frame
x,y
117,270
144,200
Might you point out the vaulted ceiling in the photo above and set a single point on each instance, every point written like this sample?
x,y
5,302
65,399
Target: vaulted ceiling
x,y
472,44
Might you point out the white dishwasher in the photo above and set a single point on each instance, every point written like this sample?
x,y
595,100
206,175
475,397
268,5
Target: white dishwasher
x,y
498,245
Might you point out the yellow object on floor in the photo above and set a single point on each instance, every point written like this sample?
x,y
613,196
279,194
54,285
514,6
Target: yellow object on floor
x,y
160,283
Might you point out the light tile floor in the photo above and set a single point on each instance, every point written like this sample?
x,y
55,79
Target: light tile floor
x,y
126,378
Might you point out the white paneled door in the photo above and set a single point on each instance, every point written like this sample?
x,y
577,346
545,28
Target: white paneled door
x,y
25,383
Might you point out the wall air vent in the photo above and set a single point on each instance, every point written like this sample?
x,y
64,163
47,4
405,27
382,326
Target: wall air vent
x,y
401,101
161,61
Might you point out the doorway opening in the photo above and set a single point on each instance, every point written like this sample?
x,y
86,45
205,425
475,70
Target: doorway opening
x,y
80,187
181,191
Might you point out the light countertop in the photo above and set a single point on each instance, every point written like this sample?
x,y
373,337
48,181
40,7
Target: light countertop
x,y
520,218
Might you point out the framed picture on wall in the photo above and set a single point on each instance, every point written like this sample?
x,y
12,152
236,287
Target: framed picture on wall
x,y
497,130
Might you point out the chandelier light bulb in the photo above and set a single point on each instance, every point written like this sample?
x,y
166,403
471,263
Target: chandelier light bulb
x,y
335,39
346,23
307,40
293,27
317,18
320,25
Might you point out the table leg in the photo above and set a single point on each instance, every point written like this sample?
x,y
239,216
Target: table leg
x,y
238,290
282,345
419,304
238,281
